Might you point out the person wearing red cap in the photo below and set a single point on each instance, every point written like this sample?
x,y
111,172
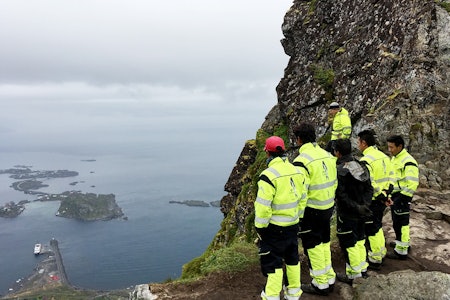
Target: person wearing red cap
x,y
281,192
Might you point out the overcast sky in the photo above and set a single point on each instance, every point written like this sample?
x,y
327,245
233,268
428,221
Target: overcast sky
x,y
82,70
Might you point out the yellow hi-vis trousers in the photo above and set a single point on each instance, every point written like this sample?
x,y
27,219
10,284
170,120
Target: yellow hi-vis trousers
x,y
401,247
377,247
275,282
274,285
319,266
356,262
331,275
293,290
360,245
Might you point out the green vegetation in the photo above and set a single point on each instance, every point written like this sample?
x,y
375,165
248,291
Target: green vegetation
x,y
416,127
236,257
325,78
68,293
444,4
374,110
340,50
311,9
323,140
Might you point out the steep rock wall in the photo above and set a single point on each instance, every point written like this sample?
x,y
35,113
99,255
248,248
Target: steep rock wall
x,y
387,62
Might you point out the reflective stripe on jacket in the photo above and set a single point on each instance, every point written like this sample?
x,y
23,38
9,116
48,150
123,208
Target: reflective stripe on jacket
x,y
281,189
342,125
380,168
320,168
406,173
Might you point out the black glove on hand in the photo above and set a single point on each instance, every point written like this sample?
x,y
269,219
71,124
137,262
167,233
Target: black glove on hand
x,y
389,190
382,197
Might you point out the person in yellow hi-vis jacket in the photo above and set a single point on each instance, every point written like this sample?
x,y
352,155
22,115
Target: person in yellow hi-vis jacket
x,y
320,169
281,194
406,177
381,175
341,127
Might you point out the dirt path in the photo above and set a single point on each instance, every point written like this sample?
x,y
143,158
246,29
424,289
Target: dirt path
x,y
249,284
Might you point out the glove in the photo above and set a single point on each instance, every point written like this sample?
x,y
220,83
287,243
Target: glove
x,y
389,190
364,211
382,197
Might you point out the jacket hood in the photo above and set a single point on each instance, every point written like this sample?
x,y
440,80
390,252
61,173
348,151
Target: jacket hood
x,y
355,169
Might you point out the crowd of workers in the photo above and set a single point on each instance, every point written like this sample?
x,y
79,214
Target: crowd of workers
x,y
297,200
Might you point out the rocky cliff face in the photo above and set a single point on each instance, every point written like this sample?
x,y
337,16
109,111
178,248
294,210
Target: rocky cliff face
x,y
387,62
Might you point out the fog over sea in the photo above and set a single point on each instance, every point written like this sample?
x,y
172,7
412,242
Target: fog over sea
x,y
145,168
161,94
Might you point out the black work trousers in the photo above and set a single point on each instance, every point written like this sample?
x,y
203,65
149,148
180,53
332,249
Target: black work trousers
x,y
315,227
278,244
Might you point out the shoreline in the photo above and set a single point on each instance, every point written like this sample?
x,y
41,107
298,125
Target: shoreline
x,y
48,272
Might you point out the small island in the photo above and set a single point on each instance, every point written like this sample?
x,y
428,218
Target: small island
x,y
197,203
88,207
12,209
74,204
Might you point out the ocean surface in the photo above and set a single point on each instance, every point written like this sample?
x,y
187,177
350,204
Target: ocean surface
x,y
151,246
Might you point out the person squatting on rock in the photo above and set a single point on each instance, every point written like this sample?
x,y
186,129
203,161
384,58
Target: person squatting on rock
x,y
320,169
406,174
341,127
381,174
281,193
353,198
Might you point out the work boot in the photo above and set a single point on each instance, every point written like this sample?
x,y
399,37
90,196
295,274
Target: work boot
x,y
395,255
374,266
365,275
310,288
392,245
264,296
344,278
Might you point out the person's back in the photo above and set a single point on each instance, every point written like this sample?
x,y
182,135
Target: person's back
x,y
320,170
354,187
282,185
280,191
353,198
381,174
380,168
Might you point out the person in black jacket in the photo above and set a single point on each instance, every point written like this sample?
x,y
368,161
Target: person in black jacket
x,y
353,198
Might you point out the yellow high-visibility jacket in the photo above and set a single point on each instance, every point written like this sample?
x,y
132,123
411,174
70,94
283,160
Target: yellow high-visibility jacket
x,y
342,125
281,189
380,168
406,173
321,171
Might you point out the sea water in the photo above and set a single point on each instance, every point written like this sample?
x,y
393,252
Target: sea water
x,y
150,246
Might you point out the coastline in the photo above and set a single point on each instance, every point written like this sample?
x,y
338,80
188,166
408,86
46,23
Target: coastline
x,y
49,272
